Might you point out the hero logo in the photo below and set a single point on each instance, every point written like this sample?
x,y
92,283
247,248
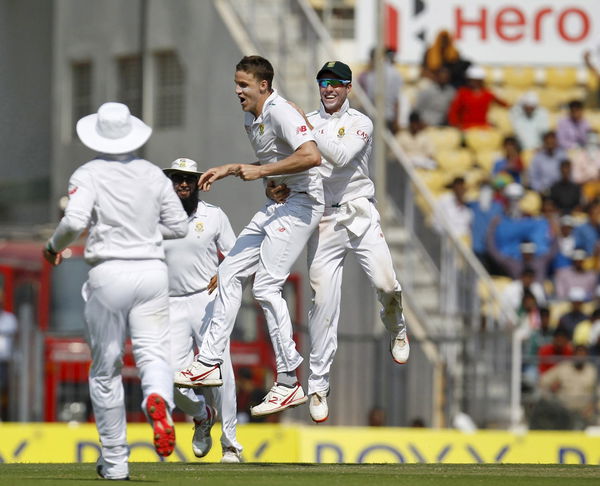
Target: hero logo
x,y
301,129
512,24
73,190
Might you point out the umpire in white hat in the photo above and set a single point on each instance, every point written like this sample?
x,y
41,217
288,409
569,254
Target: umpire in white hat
x,y
122,200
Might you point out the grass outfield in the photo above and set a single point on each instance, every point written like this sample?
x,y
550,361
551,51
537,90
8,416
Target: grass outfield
x,y
261,474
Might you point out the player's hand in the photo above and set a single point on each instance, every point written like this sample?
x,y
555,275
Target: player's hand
x,y
212,285
214,174
249,172
278,193
51,257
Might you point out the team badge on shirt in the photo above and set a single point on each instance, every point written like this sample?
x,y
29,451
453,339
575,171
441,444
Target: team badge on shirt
x,y
341,132
199,227
261,129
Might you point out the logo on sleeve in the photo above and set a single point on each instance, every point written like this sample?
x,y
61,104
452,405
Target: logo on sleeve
x,y
301,129
363,135
73,190
341,132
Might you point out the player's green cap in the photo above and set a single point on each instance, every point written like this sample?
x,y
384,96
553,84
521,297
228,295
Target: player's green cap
x,y
338,68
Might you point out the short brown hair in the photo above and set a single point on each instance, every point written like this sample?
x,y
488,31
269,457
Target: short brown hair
x,y
258,66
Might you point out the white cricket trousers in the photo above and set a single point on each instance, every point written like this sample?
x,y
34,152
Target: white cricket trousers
x,y
267,247
121,295
190,316
327,250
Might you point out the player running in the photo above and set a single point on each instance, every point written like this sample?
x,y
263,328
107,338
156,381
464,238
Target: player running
x,y
192,263
272,241
122,199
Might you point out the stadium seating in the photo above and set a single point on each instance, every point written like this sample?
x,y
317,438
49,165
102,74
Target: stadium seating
x,y
561,77
483,139
444,138
519,76
455,162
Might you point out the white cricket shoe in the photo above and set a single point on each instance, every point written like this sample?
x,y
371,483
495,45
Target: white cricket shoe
x,y
279,398
317,406
197,375
118,472
231,455
202,441
400,349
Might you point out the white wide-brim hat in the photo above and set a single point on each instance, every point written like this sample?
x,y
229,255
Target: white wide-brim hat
x,y
113,130
183,164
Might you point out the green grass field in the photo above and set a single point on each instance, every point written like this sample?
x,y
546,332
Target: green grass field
x,y
261,474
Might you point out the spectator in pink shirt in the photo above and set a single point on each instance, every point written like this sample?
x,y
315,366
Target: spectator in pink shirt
x,y
572,131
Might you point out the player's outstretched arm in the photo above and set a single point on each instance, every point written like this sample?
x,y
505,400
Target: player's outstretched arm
x,y
305,157
215,173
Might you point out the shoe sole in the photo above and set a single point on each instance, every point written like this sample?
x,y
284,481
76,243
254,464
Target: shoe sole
x,y
206,383
395,360
280,409
164,432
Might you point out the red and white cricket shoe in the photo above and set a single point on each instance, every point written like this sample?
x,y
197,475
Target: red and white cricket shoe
x,y
198,374
162,424
279,398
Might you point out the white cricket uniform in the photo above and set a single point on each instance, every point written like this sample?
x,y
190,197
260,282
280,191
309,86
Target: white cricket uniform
x,y
192,261
350,224
270,244
123,199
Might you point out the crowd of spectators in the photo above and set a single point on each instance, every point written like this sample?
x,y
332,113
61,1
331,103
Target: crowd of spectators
x,y
534,222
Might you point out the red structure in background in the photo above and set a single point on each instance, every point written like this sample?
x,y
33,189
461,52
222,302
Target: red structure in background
x,y
27,279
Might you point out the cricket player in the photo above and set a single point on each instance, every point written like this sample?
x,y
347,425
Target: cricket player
x,y
192,262
268,246
350,224
122,199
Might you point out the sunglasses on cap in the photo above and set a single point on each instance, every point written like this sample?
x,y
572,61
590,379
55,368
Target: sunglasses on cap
x,y
179,178
334,83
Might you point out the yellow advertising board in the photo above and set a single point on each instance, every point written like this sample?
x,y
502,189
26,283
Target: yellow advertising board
x,y
59,442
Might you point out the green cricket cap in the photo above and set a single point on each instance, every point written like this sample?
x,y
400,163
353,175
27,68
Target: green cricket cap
x,y
338,68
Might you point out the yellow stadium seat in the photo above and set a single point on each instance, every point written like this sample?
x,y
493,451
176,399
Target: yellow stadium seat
x,y
500,118
526,156
593,118
410,72
444,138
561,77
486,158
519,76
509,94
554,116
483,139
557,98
435,180
454,162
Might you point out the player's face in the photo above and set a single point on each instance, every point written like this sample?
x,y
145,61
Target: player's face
x,y
250,91
184,184
333,97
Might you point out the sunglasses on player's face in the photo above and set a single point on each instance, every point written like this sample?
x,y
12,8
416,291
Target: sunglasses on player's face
x,y
334,83
181,178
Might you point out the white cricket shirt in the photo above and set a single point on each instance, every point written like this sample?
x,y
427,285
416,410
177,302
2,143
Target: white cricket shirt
x,y
192,261
344,140
276,134
122,199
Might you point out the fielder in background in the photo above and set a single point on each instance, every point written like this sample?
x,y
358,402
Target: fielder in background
x,y
122,199
192,262
270,244
350,224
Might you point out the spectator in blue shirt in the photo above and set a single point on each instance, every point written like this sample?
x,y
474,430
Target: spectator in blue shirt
x,y
588,234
